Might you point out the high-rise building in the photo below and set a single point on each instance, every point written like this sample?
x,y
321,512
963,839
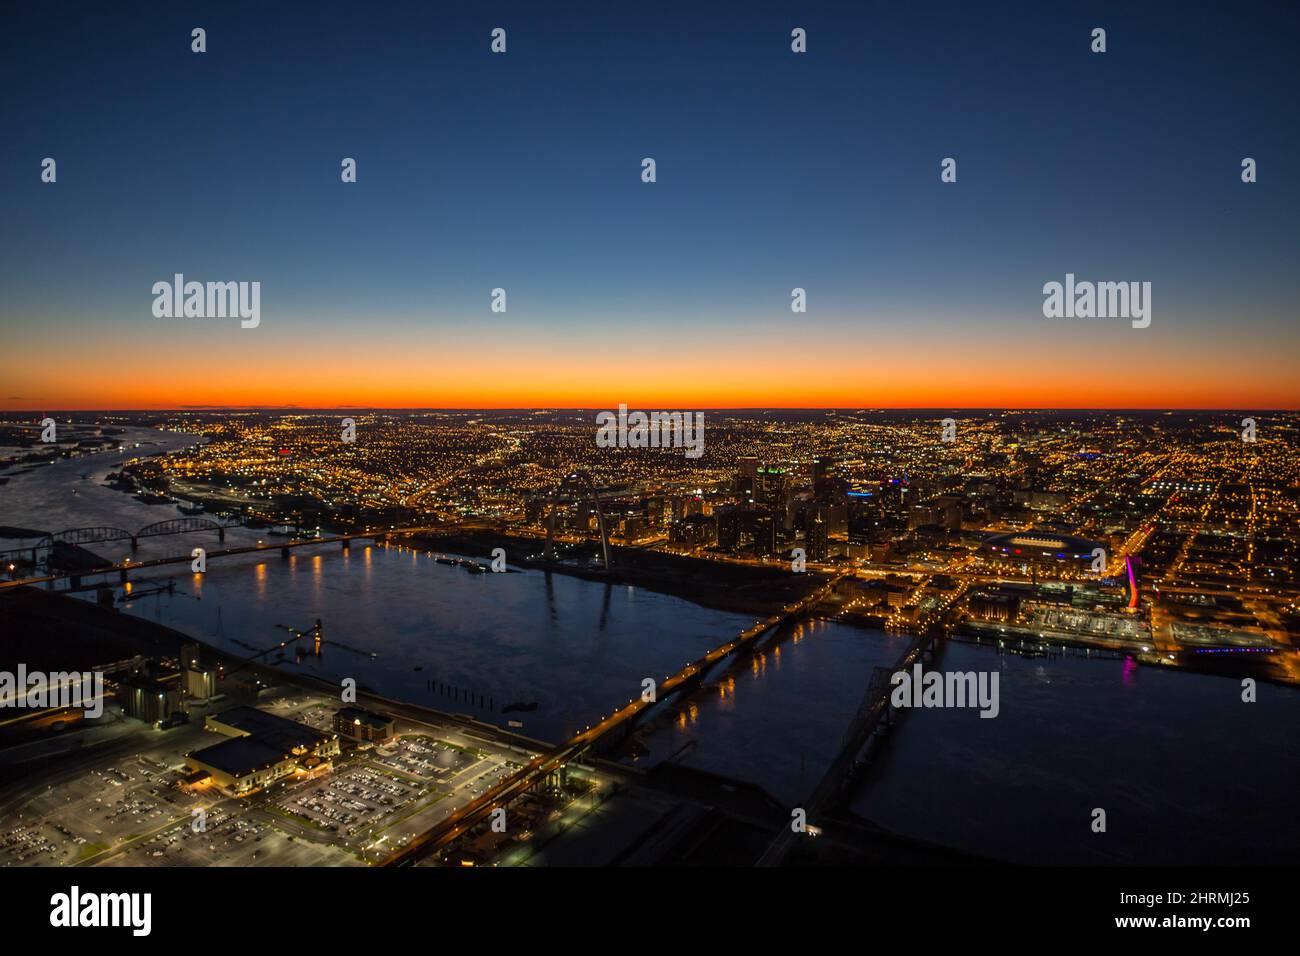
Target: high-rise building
x,y
823,483
922,516
771,480
687,505
695,531
818,541
771,491
633,527
836,517
583,513
761,528
747,478
728,517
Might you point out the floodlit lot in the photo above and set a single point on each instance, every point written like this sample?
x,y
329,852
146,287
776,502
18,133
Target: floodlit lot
x,y
124,805
358,799
1110,626
424,758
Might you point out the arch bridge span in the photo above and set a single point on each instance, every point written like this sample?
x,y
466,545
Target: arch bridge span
x,y
102,533
93,535
182,526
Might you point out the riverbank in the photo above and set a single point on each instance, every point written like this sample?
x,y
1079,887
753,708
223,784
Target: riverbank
x,y
722,586
52,631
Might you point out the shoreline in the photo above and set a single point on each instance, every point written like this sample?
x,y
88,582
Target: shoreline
x,y
87,623
720,586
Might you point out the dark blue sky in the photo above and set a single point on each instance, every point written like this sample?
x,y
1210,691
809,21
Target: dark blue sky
x,y
774,170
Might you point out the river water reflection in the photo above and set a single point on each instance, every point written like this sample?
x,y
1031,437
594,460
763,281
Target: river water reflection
x,y
1184,769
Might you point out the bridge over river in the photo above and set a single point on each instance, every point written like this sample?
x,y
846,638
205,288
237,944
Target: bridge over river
x,y
539,768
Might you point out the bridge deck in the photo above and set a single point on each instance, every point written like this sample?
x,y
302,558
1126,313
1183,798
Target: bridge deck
x,y
223,552
446,831
873,709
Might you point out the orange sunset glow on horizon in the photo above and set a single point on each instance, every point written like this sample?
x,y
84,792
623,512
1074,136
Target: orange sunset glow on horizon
x,y
532,374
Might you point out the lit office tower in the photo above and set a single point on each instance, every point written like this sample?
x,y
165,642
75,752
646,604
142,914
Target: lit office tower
x,y
747,477
728,517
758,531
822,468
818,540
769,489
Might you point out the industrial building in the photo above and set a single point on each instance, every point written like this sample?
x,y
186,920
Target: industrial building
x,y
261,748
149,700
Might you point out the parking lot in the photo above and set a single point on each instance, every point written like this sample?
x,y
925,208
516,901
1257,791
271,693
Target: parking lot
x,y
130,809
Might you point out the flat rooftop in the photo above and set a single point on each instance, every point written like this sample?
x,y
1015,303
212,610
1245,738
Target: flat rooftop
x,y
278,732
240,756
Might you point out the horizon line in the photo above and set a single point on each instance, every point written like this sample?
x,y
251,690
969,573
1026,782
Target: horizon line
x,y
854,409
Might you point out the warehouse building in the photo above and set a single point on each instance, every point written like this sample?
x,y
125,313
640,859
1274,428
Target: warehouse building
x,y
260,749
